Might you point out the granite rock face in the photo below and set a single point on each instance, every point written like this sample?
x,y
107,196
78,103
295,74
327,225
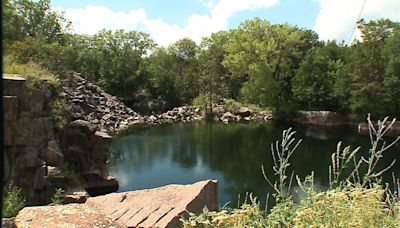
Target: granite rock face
x,y
65,216
158,207
322,118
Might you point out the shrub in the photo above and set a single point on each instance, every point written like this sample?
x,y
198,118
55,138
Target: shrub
x,y
58,197
36,76
13,202
249,215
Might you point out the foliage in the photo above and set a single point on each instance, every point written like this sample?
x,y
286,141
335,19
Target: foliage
x,y
233,105
265,57
354,200
281,153
278,66
14,201
36,76
58,197
248,215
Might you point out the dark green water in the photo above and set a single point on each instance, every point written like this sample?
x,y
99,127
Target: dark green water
x,y
148,157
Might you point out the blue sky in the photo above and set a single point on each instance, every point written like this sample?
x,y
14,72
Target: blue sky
x,y
169,20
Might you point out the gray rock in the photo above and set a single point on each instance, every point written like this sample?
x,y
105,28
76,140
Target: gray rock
x,y
54,155
39,179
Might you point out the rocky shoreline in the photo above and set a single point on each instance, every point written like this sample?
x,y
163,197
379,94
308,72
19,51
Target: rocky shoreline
x,y
92,104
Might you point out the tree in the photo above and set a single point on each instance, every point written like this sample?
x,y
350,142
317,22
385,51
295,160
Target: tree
x,y
27,18
369,69
265,57
214,77
314,82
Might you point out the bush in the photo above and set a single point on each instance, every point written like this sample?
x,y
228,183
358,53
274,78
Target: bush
x,y
58,197
36,76
13,202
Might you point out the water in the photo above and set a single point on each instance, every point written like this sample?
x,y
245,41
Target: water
x,y
153,156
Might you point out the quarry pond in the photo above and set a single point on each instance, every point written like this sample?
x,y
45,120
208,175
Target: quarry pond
x,y
152,156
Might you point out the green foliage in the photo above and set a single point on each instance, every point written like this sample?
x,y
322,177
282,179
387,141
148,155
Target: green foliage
x,y
249,215
265,57
279,66
354,200
206,102
36,76
232,105
58,197
14,201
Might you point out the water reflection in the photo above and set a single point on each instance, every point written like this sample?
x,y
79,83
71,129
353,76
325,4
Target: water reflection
x,y
185,153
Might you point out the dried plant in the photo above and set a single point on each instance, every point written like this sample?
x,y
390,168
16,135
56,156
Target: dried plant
x,y
341,159
281,153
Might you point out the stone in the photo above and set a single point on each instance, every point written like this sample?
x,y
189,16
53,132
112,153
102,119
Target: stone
x,y
228,117
96,185
34,131
158,207
8,222
10,115
39,179
54,155
70,215
76,197
12,84
243,112
33,100
29,160
322,118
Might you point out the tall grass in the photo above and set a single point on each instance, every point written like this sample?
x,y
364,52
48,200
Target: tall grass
x,y
357,196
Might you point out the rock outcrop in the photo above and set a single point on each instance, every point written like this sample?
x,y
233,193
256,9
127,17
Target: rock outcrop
x,y
322,118
158,207
28,131
40,159
92,104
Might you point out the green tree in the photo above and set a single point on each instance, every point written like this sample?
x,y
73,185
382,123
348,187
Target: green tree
x,y
27,18
369,69
314,82
265,57
214,77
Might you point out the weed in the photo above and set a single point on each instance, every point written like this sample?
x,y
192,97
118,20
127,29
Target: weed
x,y
58,197
14,201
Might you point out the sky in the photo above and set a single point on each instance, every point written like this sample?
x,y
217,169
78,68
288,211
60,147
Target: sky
x,y
167,21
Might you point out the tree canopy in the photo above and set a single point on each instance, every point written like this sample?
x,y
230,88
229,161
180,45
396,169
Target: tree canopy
x,y
277,66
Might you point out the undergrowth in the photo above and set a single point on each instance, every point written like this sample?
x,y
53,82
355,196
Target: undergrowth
x,y
356,198
14,201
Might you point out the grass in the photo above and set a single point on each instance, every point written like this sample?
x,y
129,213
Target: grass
x,y
36,76
233,105
14,201
356,198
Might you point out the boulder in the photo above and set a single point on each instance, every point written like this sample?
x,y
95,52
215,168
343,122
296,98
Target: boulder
x,y
228,117
243,112
54,155
76,197
322,118
158,207
95,184
70,215
100,143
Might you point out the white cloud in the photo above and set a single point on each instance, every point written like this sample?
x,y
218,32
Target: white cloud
x,y
336,18
93,18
